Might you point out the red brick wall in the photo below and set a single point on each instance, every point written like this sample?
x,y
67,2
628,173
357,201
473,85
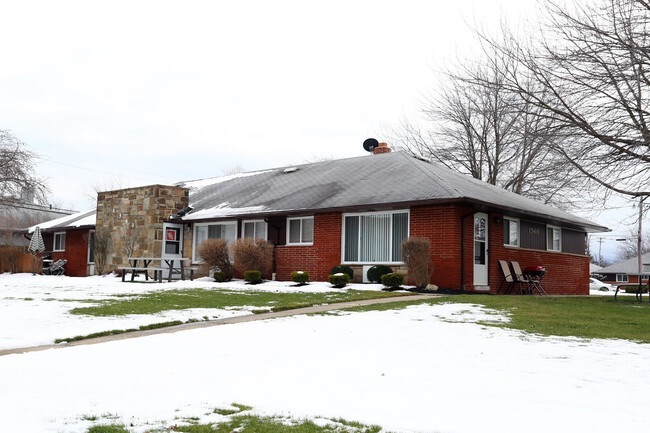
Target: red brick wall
x,y
567,274
442,225
317,259
76,253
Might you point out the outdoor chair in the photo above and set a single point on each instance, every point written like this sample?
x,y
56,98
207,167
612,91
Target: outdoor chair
x,y
522,279
56,268
508,279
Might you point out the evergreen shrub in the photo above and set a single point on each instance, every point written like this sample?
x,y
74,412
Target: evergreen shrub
x,y
394,280
253,277
300,277
339,279
343,269
375,272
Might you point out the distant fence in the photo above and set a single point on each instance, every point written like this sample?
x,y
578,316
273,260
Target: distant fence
x,y
16,259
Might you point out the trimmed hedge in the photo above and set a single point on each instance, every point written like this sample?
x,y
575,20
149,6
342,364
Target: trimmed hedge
x,y
394,280
632,288
375,272
253,277
220,277
343,269
300,277
339,280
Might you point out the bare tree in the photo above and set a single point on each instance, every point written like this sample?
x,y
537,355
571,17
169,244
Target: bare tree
x,y
482,128
629,248
17,179
103,243
590,65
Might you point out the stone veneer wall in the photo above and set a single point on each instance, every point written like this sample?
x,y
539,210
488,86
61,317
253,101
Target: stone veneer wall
x,y
138,213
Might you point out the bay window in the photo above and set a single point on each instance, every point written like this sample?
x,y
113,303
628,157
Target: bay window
x,y
374,236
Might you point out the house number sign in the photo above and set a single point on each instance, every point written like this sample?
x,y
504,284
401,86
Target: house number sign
x,y
534,231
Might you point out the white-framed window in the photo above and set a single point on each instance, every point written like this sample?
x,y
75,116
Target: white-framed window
x,y
255,229
511,232
374,237
621,278
59,241
221,230
300,230
553,238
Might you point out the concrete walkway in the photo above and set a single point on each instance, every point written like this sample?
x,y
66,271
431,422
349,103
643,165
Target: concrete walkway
x,y
227,321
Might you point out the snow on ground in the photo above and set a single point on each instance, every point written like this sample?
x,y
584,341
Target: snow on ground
x,y
421,369
35,308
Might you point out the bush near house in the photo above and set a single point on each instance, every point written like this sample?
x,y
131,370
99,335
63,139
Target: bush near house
x,y
253,277
220,277
252,254
632,288
375,272
16,259
300,277
343,269
339,280
416,254
214,252
393,281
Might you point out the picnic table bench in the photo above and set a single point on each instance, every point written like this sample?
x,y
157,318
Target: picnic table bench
x,y
166,264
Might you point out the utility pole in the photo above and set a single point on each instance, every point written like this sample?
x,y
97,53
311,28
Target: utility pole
x,y
638,240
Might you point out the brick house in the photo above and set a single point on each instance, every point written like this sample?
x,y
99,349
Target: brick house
x,y
70,238
626,272
356,211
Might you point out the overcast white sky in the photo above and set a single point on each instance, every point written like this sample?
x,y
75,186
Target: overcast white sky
x,y
125,93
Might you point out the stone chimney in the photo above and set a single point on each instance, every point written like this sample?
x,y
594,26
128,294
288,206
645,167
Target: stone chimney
x,y
381,148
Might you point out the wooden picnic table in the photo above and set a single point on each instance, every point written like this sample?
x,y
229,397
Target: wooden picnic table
x,y
166,264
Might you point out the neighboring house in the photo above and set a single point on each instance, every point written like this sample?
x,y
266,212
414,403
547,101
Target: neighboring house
x,y
626,272
356,211
70,238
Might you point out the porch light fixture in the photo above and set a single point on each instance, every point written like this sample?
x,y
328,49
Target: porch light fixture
x,y
497,220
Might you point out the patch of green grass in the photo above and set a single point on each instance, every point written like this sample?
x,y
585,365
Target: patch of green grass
x,y
123,331
258,424
113,428
583,317
155,302
238,408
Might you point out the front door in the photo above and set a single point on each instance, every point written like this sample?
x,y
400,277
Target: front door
x,y
172,241
480,249
172,247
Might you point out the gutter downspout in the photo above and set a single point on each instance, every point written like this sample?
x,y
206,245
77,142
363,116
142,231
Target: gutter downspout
x,y
462,249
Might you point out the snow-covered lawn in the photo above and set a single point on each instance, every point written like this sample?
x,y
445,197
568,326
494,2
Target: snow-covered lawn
x,y
34,309
424,368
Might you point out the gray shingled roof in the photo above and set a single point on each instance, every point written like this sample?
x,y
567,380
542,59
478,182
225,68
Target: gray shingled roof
x,y
630,266
395,179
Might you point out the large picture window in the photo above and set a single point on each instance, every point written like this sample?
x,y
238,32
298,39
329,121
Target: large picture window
x,y
300,231
222,230
374,237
